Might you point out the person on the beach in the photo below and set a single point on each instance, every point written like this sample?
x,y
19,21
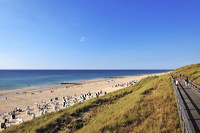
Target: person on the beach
x,y
64,102
176,83
186,81
97,95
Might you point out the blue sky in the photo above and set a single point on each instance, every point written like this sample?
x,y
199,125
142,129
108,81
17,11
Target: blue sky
x,y
99,34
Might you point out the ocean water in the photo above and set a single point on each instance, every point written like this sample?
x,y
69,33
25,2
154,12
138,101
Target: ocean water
x,y
26,79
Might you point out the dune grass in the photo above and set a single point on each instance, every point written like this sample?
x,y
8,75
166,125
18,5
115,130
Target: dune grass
x,y
151,108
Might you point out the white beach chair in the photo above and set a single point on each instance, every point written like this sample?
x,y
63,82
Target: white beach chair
x,y
66,105
27,112
19,120
41,112
55,107
33,115
36,104
52,103
45,111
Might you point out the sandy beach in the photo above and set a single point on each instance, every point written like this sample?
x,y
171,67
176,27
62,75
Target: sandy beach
x,y
40,97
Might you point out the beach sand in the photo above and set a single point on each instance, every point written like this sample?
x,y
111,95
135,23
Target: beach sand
x,y
23,100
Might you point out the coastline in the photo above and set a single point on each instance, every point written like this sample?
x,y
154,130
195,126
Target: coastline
x,y
93,85
15,92
9,93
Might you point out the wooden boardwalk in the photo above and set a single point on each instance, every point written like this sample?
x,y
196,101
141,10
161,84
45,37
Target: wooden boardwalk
x,y
191,101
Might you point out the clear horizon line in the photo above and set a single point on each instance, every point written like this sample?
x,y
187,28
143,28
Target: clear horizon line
x,y
90,69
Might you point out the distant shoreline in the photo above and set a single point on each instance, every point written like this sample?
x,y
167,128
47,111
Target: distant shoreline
x,y
16,92
38,79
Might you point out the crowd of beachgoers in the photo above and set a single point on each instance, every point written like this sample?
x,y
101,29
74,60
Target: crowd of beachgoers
x,y
28,106
44,107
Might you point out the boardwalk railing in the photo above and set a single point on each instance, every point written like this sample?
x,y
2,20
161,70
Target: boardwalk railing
x,y
194,85
185,126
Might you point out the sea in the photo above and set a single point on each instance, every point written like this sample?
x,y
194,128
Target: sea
x,y
37,79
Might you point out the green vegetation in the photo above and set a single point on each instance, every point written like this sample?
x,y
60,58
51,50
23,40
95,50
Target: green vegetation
x,y
148,106
190,71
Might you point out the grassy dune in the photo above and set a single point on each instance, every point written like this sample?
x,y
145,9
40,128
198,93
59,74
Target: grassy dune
x,y
148,106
